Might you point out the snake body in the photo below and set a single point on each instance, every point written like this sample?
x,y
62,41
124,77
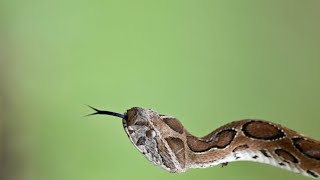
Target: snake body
x,y
165,142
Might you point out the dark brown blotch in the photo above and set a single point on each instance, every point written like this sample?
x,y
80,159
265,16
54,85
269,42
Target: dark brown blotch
x,y
174,124
220,140
224,164
286,155
177,148
312,173
265,153
223,138
255,157
197,145
262,130
282,164
307,147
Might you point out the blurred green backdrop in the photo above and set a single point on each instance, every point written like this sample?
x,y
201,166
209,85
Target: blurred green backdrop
x,y
204,62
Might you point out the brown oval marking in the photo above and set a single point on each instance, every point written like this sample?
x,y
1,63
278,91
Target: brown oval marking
x,y
177,148
174,124
262,130
307,147
240,148
286,155
220,140
312,173
197,145
223,138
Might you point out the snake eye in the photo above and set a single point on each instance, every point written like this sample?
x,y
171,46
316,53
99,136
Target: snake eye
x,y
150,133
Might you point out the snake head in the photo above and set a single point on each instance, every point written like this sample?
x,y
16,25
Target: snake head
x,y
143,127
153,135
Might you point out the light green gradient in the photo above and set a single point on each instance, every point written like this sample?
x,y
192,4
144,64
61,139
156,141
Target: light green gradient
x,y
204,62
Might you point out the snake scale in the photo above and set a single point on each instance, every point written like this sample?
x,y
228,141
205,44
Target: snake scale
x,y
165,142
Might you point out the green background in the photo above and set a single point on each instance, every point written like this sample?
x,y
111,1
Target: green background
x,y
204,62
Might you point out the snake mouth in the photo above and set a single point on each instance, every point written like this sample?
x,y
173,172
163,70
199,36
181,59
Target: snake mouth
x,y
110,113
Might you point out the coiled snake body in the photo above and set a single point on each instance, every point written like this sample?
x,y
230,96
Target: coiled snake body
x,y
166,143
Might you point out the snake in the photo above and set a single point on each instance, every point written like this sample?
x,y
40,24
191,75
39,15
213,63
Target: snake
x,y
164,141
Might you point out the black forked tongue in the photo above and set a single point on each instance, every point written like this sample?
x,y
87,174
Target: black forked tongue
x,y
106,113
